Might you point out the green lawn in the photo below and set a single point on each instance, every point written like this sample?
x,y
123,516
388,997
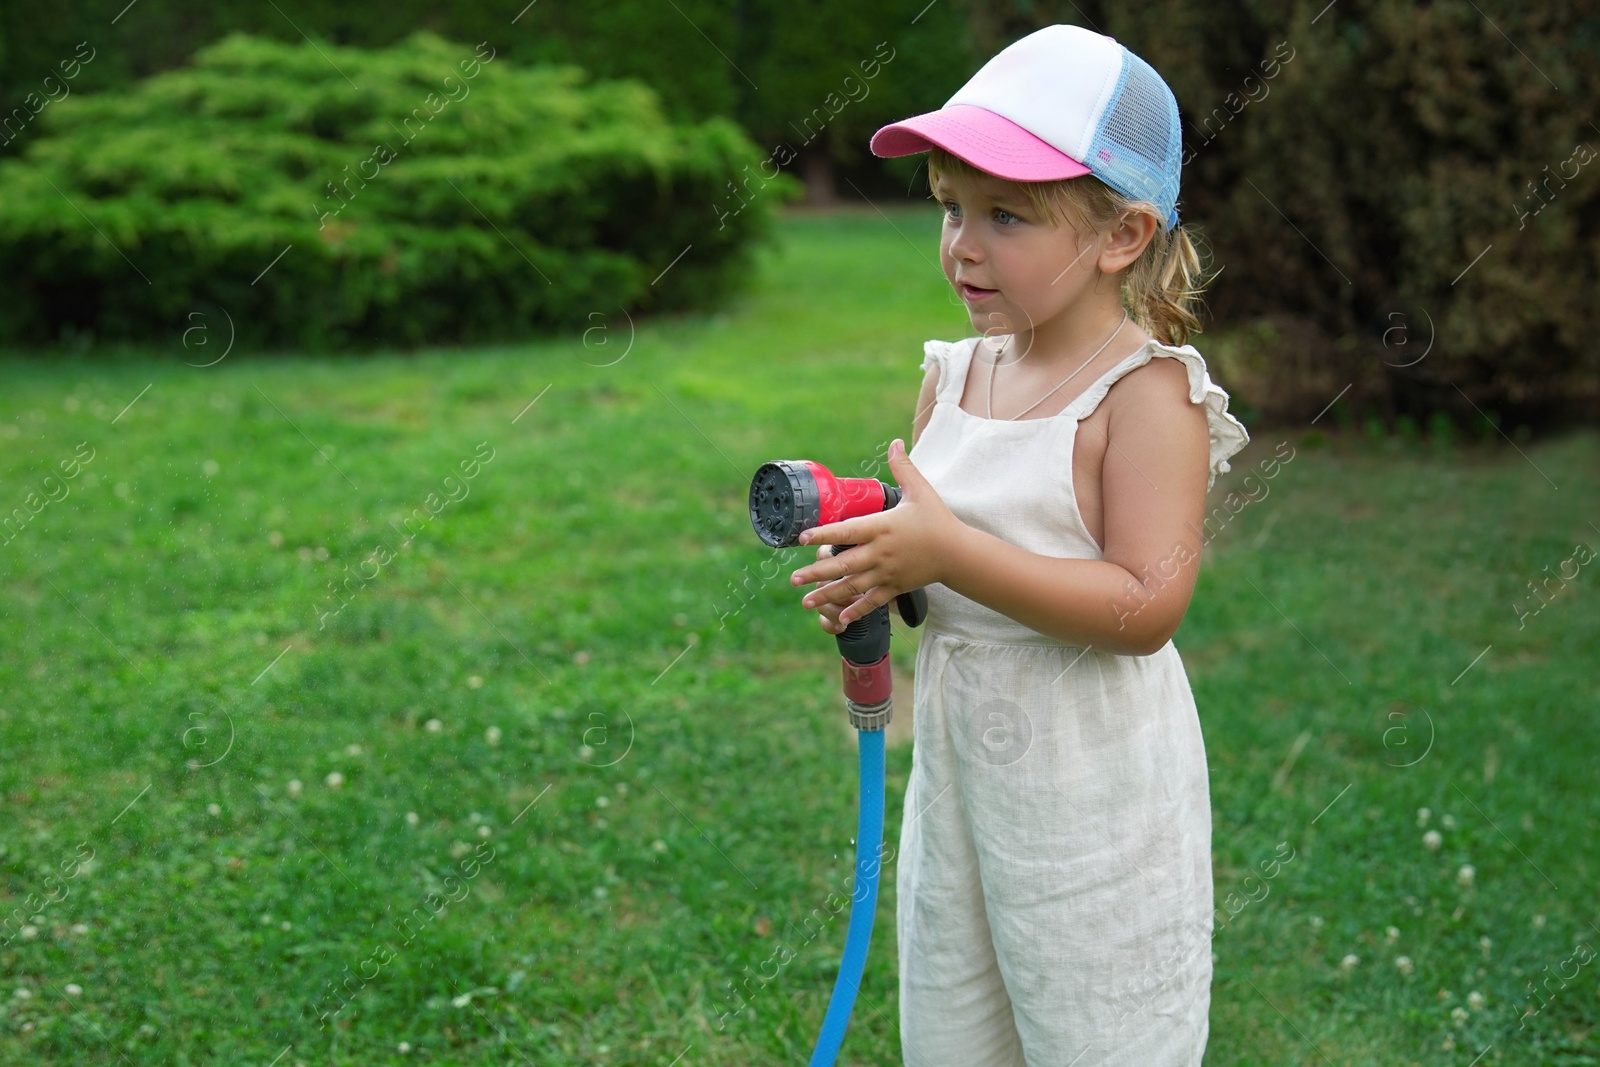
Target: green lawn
x,y
563,762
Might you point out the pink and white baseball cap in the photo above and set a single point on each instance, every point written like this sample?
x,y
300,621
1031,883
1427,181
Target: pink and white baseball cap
x,y
1061,102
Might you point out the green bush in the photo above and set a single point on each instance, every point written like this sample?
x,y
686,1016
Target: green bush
x,y
325,196
1407,179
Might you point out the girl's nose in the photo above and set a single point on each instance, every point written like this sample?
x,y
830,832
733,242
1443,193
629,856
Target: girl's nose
x,y
964,247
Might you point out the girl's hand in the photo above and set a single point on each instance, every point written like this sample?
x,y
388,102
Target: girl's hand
x,y
895,551
828,614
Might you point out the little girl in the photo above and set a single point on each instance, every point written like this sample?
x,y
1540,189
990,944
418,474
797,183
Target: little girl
x,y
1055,895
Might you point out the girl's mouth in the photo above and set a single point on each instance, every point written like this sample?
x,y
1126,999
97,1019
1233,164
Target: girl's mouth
x,y
969,292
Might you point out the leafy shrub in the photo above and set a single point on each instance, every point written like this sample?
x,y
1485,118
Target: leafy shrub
x,y
1415,179
325,196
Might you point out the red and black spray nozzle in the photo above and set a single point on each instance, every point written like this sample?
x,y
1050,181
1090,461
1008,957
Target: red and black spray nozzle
x,y
790,496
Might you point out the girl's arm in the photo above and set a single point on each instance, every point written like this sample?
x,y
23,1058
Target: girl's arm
x,y
1153,487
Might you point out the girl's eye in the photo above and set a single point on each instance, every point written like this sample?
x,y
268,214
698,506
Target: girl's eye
x,y
952,210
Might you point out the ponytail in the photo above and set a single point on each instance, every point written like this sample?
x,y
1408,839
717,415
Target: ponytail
x,y
1162,288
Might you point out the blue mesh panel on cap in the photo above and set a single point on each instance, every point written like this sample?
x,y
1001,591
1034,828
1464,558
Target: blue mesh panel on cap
x,y
1137,148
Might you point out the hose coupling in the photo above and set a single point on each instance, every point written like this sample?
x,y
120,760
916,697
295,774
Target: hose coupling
x,y
873,716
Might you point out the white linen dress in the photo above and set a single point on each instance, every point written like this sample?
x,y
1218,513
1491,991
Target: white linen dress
x,y
1054,876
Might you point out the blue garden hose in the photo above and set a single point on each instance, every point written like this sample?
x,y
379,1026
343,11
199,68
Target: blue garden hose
x,y
788,497
864,901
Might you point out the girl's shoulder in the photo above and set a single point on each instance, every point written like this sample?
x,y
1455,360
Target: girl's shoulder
x,y
944,355
944,364
1195,374
1227,434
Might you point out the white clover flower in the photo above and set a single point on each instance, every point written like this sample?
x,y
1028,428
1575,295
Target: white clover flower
x,y
23,993
74,989
584,752
352,750
474,682
1465,875
459,849
600,892
1316,922
492,735
213,809
1422,816
1391,935
602,802
1475,1000
1485,944
483,831
1538,922
659,845
463,1000
29,932
1432,840
286,925
412,818
1459,1014
1448,1044
334,779
80,928
1445,994
294,787
433,726
1404,964
1449,822
403,1047
1349,963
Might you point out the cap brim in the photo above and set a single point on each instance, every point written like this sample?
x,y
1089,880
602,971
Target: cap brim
x,y
988,141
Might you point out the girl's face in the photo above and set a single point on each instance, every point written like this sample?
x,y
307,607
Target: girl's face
x,y
1013,269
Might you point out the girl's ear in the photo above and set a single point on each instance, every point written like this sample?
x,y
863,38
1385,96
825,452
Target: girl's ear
x,y
1130,234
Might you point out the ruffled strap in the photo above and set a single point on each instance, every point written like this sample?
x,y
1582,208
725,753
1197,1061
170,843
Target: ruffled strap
x,y
1227,433
952,358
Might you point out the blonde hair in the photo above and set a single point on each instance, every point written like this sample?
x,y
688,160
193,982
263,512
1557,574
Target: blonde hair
x,y
1160,290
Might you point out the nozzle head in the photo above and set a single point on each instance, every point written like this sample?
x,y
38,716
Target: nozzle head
x,y
784,502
